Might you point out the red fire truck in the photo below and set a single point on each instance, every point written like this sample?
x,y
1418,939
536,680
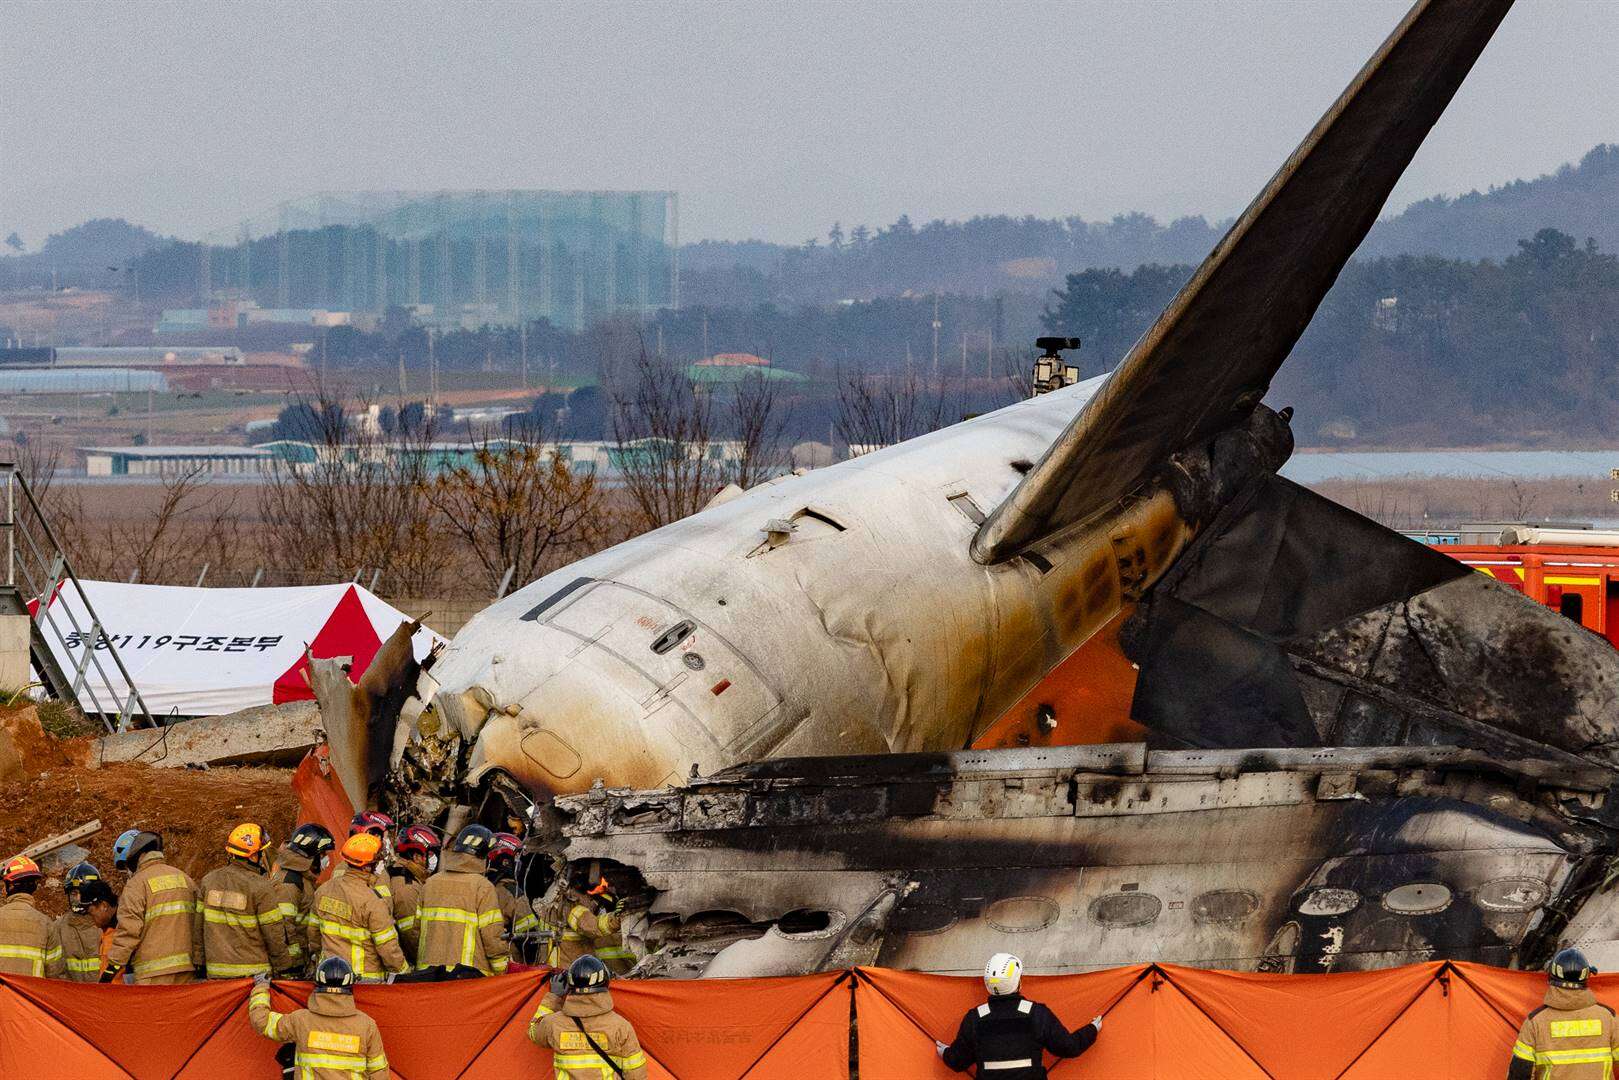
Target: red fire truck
x,y
1573,570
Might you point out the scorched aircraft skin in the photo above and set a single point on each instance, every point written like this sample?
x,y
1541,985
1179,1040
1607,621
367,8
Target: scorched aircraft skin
x,y
904,601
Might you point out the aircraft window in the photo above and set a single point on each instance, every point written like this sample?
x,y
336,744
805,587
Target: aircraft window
x,y
1022,914
673,636
1327,901
923,917
533,614
804,921
1572,605
1224,906
1418,898
1123,909
1510,894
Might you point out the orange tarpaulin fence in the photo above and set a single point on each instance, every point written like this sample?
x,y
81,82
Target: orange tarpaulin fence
x,y
1438,1020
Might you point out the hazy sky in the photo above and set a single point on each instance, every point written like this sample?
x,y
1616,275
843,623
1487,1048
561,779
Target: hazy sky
x,y
772,120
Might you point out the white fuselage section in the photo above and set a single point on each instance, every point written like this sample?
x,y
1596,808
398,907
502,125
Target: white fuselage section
x,y
866,628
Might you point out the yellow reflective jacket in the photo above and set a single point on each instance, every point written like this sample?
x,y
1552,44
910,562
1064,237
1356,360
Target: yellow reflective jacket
x,y
334,1040
1570,1037
357,923
81,946
583,1019
460,918
159,921
242,933
405,880
292,883
29,942
586,930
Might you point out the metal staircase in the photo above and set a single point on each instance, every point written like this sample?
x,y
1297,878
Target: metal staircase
x,y
37,569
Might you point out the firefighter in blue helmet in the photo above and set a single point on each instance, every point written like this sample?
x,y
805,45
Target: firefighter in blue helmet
x,y
1008,1036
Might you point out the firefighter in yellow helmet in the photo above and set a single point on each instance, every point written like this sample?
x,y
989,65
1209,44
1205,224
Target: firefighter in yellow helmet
x,y
576,1021
592,923
1572,1036
461,926
332,1040
159,916
29,942
243,932
356,921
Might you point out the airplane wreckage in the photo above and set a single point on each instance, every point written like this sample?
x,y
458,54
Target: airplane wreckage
x,y
1082,677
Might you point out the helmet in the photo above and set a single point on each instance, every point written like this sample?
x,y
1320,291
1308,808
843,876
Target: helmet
x,y
1569,969
362,850
311,841
247,841
131,845
374,822
588,975
79,876
1003,974
418,840
20,868
503,850
334,976
474,840
121,846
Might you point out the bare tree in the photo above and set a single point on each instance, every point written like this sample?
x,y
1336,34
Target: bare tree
x,y
881,410
758,420
663,429
38,462
359,502
518,504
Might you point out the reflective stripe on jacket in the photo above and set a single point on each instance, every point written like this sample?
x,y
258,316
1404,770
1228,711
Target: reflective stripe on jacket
x,y
333,1039
406,878
242,933
29,942
559,1030
159,921
460,918
357,923
292,884
1570,1037
81,946
588,931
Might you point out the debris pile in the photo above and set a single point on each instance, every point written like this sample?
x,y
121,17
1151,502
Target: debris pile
x,y
50,789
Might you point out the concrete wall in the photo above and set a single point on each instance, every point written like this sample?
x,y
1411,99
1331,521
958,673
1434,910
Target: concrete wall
x,y
443,615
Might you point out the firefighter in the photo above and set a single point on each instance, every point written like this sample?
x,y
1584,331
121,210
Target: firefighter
x,y
460,920
159,932
379,825
332,1039
298,862
29,942
1572,1036
415,856
81,928
519,915
576,1022
1008,1036
356,921
592,922
242,932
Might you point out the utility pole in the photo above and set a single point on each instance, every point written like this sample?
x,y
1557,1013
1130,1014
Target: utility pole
x,y
964,356
522,348
935,335
148,414
705,335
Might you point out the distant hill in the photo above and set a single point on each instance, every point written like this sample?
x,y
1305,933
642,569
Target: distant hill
x,y
95,253
1581,200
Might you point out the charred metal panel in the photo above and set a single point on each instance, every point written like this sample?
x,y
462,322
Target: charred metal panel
x,y
1326,859
1306,623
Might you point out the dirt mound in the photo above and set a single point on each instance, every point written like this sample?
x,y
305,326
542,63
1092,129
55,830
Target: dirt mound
x,y
193,810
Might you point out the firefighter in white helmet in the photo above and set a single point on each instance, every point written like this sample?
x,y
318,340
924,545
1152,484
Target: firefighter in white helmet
x,y
1008,1036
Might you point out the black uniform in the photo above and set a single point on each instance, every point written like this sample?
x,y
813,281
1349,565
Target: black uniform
x,y
1007,1038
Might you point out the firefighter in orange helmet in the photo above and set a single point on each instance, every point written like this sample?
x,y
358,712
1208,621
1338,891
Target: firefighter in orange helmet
x,y
243,933
356,920
29,942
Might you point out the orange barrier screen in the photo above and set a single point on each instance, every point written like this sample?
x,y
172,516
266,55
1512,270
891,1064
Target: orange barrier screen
x,y
1437,1020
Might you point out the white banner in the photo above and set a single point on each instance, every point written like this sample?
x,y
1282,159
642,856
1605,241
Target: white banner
x,y
203,652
